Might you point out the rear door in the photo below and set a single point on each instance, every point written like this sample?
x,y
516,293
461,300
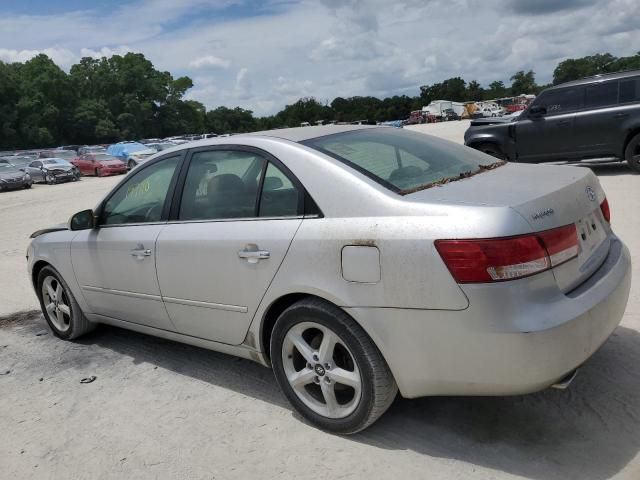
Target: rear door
x,y
115,263
82,163
550,136
233,223
597,124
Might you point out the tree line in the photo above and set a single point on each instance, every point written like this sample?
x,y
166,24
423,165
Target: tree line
x,y
126,97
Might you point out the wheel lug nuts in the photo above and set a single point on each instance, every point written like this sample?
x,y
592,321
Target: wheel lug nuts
x,y
327,366
315,357
327,380
309,366
316,380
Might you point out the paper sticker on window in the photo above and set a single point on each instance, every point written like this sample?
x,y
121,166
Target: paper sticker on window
x,y
138,189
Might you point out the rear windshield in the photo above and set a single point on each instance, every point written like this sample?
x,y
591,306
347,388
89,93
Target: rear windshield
x,y
401,160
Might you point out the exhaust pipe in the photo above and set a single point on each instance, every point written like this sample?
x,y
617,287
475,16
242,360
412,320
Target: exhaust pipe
x,y
564,383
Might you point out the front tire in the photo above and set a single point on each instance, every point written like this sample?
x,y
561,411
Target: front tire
x,y
491,149
59,306
98,172
329,368
131,164
632,153
50,179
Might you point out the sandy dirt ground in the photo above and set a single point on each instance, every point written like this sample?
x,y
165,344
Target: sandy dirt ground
x,y
158,409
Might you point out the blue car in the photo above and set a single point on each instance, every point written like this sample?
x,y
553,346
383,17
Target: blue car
x,y
131,153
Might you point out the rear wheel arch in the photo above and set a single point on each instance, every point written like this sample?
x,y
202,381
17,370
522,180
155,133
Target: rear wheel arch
x,y
632,133
279,305
271,316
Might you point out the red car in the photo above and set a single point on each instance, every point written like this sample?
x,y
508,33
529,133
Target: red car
x,y
99,164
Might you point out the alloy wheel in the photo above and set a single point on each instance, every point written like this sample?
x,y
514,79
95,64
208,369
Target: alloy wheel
x,y
56,303
321,370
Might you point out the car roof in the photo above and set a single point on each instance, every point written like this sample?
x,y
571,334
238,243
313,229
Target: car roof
x,y
300,134
598,78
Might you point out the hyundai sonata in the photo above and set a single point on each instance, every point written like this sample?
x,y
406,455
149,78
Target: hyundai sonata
x,y
355,261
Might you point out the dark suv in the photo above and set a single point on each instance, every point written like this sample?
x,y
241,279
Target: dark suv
x,y
596,119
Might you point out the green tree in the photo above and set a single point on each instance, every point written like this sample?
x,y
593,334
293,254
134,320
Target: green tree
x,y
474,91
496,90
523,82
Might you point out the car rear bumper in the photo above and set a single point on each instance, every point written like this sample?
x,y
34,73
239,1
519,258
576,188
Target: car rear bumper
x,y
516,337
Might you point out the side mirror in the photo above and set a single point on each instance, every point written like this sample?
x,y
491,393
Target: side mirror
x,y
537,111
83,220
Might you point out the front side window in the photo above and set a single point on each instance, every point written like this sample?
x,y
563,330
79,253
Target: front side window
x,y
601,95
401,160
142,197
221,184
561,101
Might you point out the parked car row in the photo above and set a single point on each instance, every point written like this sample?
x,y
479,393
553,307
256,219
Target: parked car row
x,y
46,170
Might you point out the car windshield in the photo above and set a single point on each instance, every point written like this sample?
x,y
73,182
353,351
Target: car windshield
x,y
50,161
403,161
19,160
7,168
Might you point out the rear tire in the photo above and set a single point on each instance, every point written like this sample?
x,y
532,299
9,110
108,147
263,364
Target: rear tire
x,y
632,153
59,306
340,363
131,164
98,172
491,149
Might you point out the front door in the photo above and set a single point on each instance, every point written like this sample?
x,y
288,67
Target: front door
x,y
549,137
238,214
115,263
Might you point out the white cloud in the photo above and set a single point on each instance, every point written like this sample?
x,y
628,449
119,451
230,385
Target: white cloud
x,y
209,61
332,47
105,51
62,57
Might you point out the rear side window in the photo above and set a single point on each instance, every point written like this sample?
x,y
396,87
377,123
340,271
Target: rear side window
x,y
601,95
561,101
401,160
221,184
279,197
630,90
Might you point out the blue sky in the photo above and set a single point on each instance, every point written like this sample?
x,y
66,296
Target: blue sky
x,y
263,54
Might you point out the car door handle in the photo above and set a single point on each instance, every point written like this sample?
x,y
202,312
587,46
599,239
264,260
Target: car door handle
x,y
621,115
253,254
140,253
564,123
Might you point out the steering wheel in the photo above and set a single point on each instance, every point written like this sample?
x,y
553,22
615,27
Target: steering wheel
x,y
154,209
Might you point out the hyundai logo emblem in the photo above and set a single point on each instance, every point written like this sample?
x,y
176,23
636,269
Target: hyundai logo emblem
x,y
591,194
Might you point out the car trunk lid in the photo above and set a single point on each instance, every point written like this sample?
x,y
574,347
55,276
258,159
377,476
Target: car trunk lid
x,y
546,197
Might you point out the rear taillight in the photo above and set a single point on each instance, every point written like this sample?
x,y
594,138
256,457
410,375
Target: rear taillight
x,y
606,213
500,259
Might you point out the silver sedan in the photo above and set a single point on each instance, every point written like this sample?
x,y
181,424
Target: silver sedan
x,y
355,261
